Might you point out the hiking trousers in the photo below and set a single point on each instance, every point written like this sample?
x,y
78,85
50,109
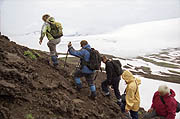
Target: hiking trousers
x,y
89,77
115,85
52,46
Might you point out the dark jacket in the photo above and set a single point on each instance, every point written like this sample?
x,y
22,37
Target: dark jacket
x,y
168,109
110,71
83,53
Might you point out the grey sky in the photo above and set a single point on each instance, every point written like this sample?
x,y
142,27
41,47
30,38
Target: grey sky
x,y
84,16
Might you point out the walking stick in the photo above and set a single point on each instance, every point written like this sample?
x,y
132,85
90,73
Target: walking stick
x,y
97,72
66,59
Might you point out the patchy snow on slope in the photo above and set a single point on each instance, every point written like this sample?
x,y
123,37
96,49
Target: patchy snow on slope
x,y
129,41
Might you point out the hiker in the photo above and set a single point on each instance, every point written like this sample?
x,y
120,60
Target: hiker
x,y
163,104
113,77
53,31
132,97
83,71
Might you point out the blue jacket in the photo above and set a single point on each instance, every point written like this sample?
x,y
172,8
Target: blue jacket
x,y
83,53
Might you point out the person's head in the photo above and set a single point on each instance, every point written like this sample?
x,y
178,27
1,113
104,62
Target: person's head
x,y
104,59
83,43
45,17
128,76
163,90
51,20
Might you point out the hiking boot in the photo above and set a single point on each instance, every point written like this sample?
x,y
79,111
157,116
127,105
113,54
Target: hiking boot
x,y
127,115
54,60
119,102
78,87
93,95
108,95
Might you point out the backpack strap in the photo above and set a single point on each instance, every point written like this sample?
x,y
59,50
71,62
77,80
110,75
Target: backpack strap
x,y
162,100
83,62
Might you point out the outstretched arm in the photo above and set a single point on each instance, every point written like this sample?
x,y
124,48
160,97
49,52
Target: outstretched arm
x,y
72,51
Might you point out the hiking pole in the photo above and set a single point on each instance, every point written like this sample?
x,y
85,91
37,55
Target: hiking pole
x,y
96,75
66,57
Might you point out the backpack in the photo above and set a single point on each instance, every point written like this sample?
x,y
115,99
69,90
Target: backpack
x,y
95,59
56,31
117,67
178,104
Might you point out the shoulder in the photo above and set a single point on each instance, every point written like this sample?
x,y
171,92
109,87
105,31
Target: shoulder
x,y
57,23
132,85
173,94
82,50
156,94
109,63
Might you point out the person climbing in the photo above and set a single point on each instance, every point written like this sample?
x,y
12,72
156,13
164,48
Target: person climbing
x,y
83,71
163,105
132,97
53,31
113,73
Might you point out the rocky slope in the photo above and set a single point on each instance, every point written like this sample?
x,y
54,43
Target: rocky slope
x,y
30,88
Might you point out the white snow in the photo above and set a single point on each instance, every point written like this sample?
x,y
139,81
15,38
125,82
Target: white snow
x,y
105,26
129,41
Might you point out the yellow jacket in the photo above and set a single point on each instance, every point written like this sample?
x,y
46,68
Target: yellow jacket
x,y
132,91
46,27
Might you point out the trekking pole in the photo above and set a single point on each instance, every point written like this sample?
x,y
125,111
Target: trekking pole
x,y
96,75
66,58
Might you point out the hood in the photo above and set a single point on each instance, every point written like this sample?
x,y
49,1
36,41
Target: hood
x,y
173,94
87,46
51,20
128,77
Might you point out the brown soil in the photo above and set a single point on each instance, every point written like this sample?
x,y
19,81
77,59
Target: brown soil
x,y
34,89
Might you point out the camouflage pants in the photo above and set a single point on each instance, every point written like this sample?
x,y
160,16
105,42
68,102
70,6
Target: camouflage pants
x,y
52,46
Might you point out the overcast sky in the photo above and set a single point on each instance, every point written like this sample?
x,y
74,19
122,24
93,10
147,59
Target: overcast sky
x,y
83,16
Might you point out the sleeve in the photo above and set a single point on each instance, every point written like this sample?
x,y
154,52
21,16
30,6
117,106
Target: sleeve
x,y
43,30
171,109
109,72
130,93
77,53
152,106
119,63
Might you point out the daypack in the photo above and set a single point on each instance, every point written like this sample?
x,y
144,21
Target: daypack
x,y
56,30
178,104
94,61
117,67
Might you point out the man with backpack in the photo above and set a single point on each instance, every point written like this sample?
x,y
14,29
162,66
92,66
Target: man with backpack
x,y
89,62
164,105
113,72
53,31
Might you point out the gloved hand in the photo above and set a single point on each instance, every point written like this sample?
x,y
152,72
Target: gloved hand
x,y
69,44
150,110
40,41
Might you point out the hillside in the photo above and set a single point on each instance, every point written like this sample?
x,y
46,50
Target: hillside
x,y
30,88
